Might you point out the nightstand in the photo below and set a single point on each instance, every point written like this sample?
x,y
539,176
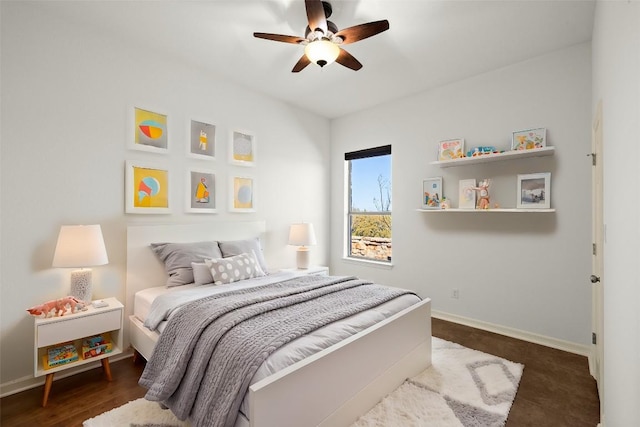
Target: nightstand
x,y
314,270
73,328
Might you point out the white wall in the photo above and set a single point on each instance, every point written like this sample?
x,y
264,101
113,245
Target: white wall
x,y
616,82
66,98
527,272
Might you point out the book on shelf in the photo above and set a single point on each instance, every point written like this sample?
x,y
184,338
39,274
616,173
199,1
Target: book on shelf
x,y
60,354
96,345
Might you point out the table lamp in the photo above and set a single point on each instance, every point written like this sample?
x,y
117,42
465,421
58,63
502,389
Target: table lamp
x,y
302,235
80,246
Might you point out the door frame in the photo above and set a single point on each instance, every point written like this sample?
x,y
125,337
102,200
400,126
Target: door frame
x,y
596,364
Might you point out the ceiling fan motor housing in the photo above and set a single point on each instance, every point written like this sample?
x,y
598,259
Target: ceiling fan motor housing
x,y
327,9
323,43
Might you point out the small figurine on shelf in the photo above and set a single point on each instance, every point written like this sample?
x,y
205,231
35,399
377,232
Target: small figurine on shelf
x,y
445,204
483,194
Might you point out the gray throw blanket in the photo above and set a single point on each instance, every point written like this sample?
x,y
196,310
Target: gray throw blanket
x,y
203,363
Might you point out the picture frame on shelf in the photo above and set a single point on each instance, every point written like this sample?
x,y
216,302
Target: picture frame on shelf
x,y
467,194
242,192
242,148
146,188
529,139
432,193
200,191
450,149
148,130
534,191
202,140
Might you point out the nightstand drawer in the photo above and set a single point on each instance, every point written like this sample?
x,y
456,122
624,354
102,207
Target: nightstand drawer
x,y
72,328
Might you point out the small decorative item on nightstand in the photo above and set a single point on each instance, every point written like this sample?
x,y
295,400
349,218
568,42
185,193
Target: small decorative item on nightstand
x,y
58,307
80,246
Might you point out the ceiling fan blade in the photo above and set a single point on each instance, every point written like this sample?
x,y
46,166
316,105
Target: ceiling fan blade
x,y
279,38
303,62
362,31
346,59
315,15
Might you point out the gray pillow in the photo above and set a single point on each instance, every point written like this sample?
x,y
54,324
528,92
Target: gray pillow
x,y
201,273
177,259
248,246
234,269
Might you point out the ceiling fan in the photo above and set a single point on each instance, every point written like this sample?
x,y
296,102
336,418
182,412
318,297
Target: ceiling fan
x,y
322,39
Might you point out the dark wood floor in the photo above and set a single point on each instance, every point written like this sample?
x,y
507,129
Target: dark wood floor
x,y
555,390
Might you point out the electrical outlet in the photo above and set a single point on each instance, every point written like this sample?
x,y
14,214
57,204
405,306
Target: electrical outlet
x,y
455,294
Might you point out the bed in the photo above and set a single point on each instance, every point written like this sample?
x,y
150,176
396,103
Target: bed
x,y
331,387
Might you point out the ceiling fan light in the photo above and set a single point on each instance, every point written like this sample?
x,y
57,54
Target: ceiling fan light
x,y
322,52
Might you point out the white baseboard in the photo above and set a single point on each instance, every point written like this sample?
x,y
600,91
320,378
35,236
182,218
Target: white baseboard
x,y
568,346
29,382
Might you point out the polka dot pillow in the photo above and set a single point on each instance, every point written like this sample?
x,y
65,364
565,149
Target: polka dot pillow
x,y
234,268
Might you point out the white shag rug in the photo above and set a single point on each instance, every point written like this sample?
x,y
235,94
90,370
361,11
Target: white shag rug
x,y
137,413
462,388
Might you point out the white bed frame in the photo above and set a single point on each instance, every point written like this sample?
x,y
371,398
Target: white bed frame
x,y
331,388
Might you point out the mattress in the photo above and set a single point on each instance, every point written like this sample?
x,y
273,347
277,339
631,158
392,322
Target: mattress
x,y
296,350
143,300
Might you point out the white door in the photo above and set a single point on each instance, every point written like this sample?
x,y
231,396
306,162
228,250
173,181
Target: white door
x,y
597,263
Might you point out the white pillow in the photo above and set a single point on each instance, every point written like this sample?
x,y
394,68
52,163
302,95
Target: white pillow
x,y
201,273
234,268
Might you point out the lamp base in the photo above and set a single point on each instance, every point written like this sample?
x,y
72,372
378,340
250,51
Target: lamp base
x,y
302,258
81,284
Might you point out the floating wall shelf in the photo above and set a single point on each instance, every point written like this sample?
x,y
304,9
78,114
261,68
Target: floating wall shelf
x,y
486,158
511,210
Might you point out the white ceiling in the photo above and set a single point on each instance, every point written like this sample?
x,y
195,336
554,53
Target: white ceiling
x,y
429,43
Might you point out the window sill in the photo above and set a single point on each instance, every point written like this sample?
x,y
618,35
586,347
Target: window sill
x,y
369,262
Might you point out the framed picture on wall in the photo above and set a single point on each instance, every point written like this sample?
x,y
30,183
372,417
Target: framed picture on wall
x,y
242,191
202,140
432,193
200,191
149,131
242,148
529,139
147,188
467,194
534,191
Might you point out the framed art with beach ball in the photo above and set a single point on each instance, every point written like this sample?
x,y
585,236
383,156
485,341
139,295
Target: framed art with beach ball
x,y
149,130
147,188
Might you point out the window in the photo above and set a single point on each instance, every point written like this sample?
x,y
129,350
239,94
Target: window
x,y
369,204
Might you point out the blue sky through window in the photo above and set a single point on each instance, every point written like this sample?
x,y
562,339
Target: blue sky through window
x,y
364,181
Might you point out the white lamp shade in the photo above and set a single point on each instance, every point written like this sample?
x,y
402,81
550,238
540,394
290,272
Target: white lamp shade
x,y
80,246
302,234
322,52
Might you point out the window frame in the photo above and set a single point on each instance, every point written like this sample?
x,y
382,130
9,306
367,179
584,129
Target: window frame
x,y
349,214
